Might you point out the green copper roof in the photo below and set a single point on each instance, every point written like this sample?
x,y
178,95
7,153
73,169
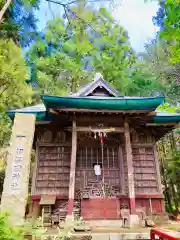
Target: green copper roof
x,y
166,119
97,95
39,110
43,115
40,116
102,103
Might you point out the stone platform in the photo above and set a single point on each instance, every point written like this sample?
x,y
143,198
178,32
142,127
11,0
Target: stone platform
x,y
105,223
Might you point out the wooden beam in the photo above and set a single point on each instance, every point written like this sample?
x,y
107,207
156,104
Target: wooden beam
x,y
152,196
44,144
98,118
150,205
161,124
143,196
42,122
35,170
53,111
121,162
142,145
102,111
35,210
93,129
58,196
72,170
153,113
128,150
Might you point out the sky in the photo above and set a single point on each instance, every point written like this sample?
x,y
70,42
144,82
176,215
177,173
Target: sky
x,y
134,15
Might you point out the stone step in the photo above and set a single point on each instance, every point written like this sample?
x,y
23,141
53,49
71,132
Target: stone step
x,y
159,218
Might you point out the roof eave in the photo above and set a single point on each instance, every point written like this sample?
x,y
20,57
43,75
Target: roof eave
x,y
102,103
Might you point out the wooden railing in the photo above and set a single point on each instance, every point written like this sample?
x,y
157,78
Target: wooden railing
x,y
162,235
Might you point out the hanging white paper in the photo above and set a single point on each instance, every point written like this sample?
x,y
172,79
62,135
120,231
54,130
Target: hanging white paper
x,y
97,170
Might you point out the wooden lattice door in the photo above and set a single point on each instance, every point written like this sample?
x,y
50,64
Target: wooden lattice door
x,y
87,157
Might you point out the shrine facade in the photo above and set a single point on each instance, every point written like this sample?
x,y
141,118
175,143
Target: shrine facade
x,y
96,153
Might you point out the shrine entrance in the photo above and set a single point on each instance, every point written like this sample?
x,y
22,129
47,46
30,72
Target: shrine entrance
x,y
99,176
88,157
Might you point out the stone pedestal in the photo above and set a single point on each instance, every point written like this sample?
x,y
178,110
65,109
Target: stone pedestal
x,y
15,189
134,220
69,218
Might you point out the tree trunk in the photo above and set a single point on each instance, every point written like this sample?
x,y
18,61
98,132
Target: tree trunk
x,y
73,85
167,193
174,196
4,9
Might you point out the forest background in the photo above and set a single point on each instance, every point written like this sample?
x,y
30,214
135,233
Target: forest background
x,y
85,39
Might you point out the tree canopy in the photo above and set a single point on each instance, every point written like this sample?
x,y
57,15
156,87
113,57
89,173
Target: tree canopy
x,y
91,41
14,91
19,22
168,19
73,47
168,37
70,53
17,29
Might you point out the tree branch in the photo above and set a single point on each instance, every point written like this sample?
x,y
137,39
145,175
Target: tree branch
x,y
75,1
4,9
6,88
66,15
53,1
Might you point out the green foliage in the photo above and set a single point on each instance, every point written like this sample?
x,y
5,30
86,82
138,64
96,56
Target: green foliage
x,y
169,108
169,18
71,53
7,230
19,21
14,92
34,228
10,232
169,156
158,74
5,129
3,160
143,82
93,42
67,228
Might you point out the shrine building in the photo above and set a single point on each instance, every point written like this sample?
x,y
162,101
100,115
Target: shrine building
x,y
95,155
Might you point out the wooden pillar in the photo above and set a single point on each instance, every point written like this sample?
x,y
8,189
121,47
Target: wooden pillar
x,y
35,171
35,210
129,160
121,160
72,170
